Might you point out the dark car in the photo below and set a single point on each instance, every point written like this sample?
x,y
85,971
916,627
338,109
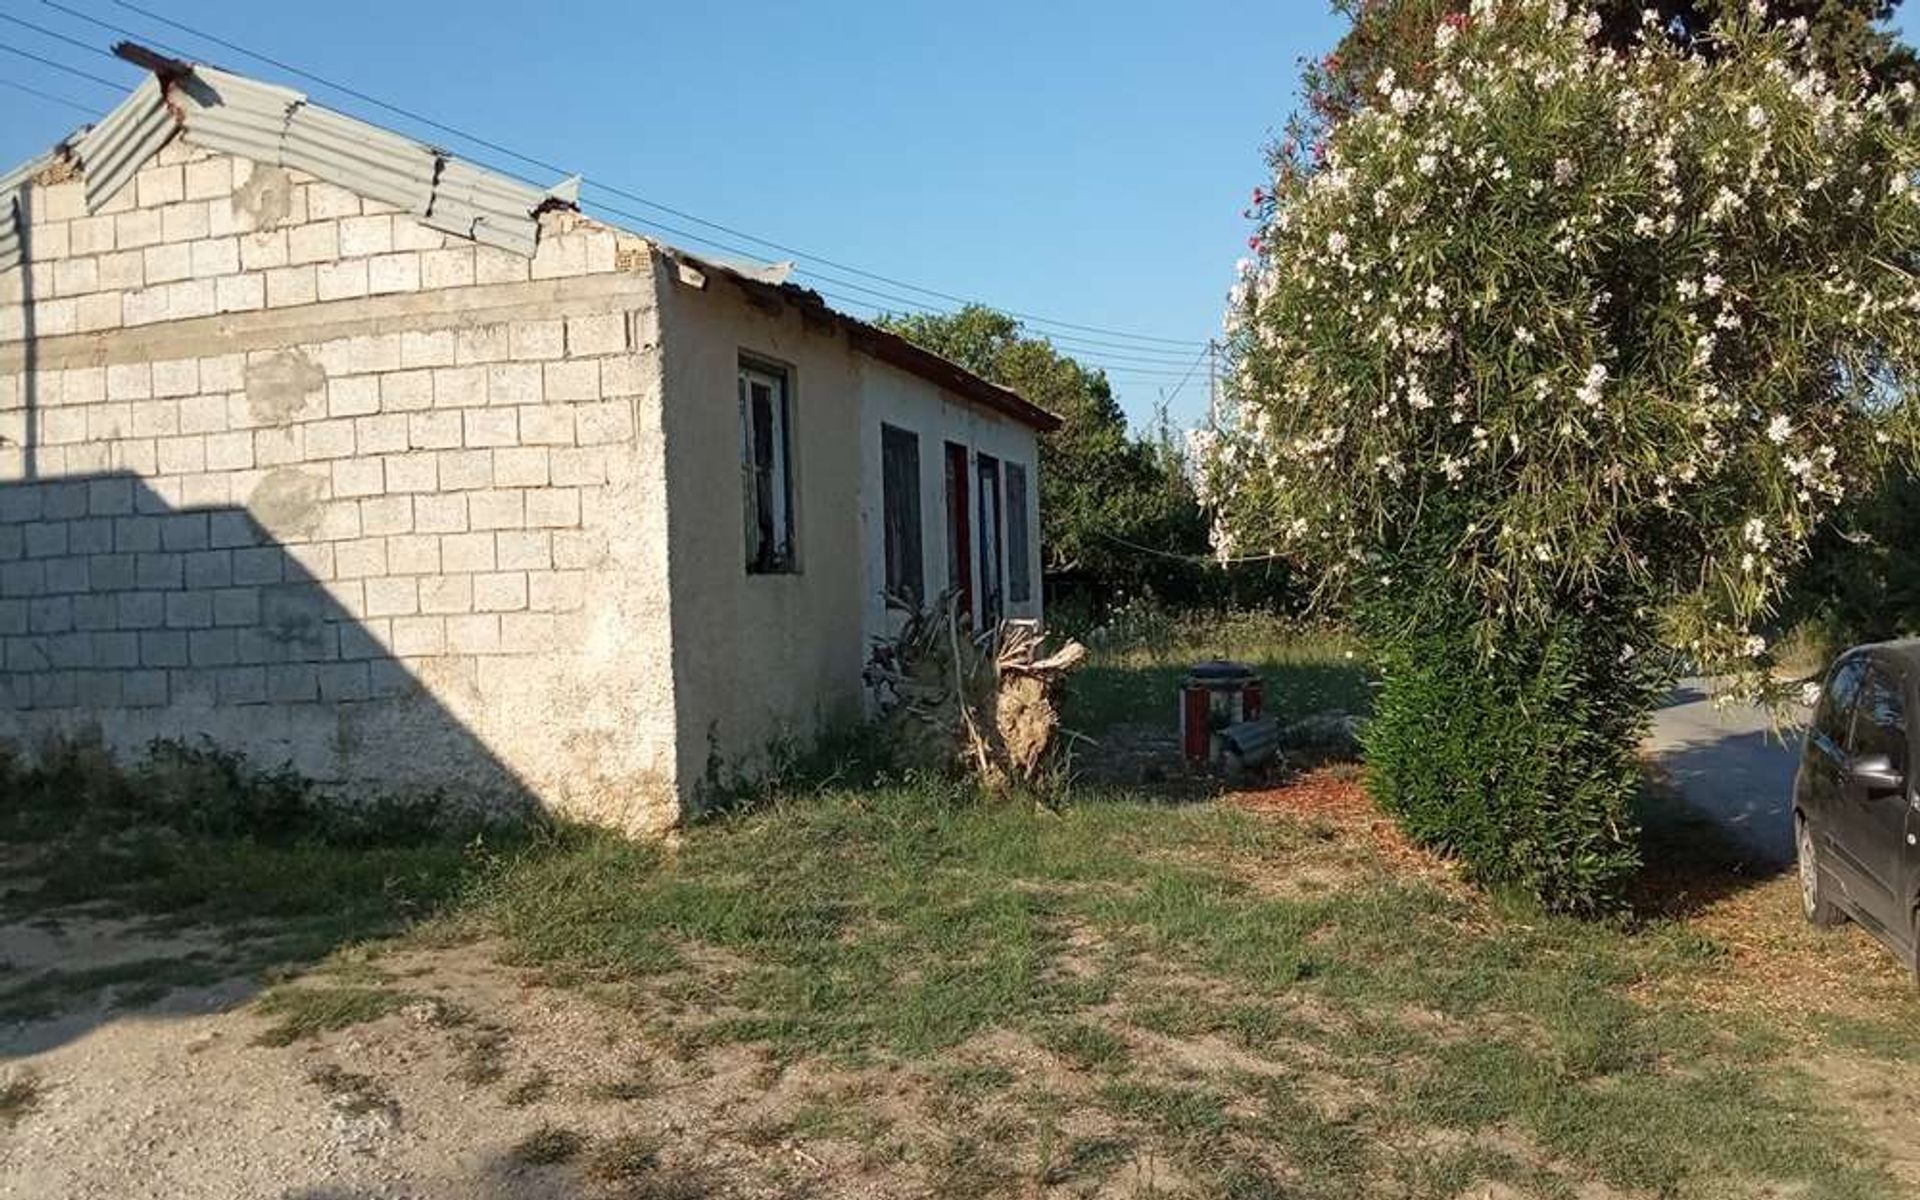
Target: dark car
x,y
1856,814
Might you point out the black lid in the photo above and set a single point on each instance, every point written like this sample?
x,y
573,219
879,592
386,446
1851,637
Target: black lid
x,y
1220,671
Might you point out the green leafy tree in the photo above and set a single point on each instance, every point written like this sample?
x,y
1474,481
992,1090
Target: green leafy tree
x,y
1556,360
1113,506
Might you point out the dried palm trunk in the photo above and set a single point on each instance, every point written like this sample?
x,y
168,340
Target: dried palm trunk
x,y
987,703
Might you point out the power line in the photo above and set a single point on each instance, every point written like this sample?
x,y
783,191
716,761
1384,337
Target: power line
x,y
60,66
89,109
634,197
1132,353
1198,559
1128,367
57,36
1203,355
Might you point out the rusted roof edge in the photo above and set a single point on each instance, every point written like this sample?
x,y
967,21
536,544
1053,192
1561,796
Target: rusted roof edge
x,y
882,344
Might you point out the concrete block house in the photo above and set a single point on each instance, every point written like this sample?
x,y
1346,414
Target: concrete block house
x,y
351,455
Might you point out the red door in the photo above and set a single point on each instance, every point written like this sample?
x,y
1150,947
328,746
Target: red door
x,y
959,530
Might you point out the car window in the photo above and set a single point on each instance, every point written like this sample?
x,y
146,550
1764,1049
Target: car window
x,y
1880,720
1836,701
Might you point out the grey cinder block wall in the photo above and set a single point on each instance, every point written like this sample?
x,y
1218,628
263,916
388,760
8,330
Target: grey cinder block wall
x,y
283,467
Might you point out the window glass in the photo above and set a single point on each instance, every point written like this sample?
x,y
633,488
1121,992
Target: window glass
x,y
1836,701
900,513
1880,720
765,475
1019,569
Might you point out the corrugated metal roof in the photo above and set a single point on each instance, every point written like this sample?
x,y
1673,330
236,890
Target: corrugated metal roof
x,y
11,235
112,151
489,208
266,123
362,158
236,115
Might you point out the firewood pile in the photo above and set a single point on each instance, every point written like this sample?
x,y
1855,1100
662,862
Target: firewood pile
x,y
987,703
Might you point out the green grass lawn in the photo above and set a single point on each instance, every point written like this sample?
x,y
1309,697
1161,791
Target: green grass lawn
x,y
1126,997
1375,1033
1137,680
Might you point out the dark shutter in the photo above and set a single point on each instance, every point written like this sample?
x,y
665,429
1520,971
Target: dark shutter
x,y
900,513
1019,551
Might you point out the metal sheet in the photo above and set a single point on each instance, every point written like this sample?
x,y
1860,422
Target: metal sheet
x,y
231,114
11,185
362,158
10,241
236,115
113,151
486,206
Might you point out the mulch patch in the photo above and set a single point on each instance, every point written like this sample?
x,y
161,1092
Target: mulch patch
x,y
1333,796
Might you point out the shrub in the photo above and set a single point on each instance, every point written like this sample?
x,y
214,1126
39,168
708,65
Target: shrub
x,y
1517,758
1554,353
74,785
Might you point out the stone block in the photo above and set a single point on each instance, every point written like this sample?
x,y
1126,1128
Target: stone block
x,y
490,508
419,637
413,554
490,427
500,591
462,470
553,508
358,477
527,633
415,471
604,423
345,280
467,552
438,430
185,223
449,268
516,383
406,391
382,434
392,596
392,273
382,516
520,466
573,381
289,287
440,513
443,594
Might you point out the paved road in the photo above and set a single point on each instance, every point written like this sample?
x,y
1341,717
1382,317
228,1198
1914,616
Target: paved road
x,y
1732,768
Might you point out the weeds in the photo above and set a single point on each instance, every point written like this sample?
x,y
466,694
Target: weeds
x,y
529,1090
483,1055
19,1096
305,1012
548,1146
352,1093
627,1159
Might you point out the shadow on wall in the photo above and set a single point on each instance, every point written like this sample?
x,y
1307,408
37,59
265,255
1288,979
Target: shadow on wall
x,y
118,610
122,614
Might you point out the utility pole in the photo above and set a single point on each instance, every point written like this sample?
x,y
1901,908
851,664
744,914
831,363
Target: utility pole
x,y
1213,385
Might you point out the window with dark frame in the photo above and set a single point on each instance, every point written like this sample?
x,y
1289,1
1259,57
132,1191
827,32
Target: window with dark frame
x,y
766,468
900,514
1880,720
1019,568
1835,714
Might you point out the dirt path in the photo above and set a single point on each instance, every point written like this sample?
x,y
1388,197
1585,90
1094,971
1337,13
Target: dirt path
x,y
430,1102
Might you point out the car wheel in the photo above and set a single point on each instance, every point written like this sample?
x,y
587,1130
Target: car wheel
x,y
1820,910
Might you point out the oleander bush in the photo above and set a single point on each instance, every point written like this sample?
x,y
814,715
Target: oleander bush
x,y
1556,357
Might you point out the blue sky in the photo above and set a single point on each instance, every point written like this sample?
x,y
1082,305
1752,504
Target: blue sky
x,y
1086,162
